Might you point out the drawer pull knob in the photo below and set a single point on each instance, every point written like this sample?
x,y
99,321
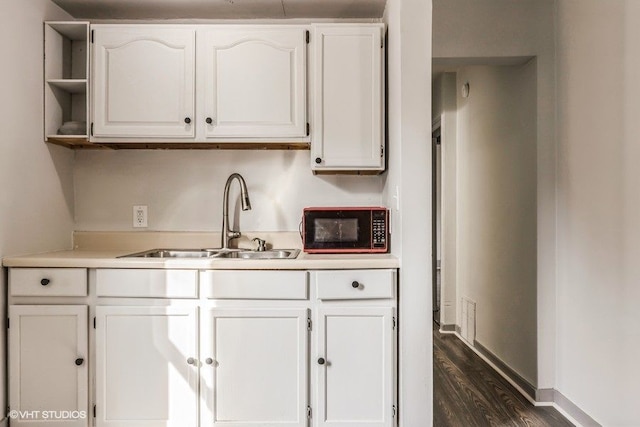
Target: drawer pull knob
x,y
209,120
187,120
321,361
318,160
79,361
355,284
209,361
45,282
191,361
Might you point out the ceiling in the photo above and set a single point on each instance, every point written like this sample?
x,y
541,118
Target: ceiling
x,y
221,9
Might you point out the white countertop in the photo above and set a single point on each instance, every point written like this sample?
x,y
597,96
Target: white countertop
x,y
108,259
102,249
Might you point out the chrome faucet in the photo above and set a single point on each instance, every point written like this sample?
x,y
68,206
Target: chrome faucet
x,y
227,233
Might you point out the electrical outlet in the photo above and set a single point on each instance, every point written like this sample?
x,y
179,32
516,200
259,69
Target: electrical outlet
x,y
140,216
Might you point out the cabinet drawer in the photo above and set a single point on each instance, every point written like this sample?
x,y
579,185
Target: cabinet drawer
x,y
228,284
58,282
355,284
140,283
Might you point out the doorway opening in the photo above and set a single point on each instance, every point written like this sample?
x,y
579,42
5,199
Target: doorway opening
x,y
484,200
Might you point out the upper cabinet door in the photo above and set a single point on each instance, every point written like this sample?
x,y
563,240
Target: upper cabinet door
x,y
348,97
254,82
143,81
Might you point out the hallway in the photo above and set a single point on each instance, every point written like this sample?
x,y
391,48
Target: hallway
x,y
468,392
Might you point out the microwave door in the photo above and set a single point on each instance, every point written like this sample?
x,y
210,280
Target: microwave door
x,y
339,231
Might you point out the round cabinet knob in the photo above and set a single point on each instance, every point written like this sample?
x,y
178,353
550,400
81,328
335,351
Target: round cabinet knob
x,y
187,120
191,361
355,284
209,361
318,160
321,361
45,282
209,120
79,361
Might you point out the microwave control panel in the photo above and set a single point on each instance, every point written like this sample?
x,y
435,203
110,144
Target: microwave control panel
x,y
379,228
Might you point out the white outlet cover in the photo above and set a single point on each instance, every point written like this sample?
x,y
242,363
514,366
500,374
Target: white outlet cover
x,y
140,219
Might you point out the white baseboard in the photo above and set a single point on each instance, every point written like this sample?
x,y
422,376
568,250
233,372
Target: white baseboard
x,y
544,397
497,369
572,411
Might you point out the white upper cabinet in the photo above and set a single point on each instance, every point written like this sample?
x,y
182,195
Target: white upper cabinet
x,y
253,80
348,98
66,70
143,83
244,82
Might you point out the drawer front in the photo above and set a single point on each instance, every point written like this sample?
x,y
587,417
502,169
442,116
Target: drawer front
x,y
141,283
230,284
355,284
50,282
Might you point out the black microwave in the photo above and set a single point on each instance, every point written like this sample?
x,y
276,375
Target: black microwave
x,y
345,230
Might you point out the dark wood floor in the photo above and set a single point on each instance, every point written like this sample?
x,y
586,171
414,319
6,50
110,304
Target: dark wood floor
x,y
469,393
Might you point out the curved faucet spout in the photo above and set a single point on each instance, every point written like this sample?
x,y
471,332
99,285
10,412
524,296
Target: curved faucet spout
x,y
227,233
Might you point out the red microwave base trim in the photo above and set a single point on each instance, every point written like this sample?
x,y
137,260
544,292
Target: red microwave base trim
x,y
346,251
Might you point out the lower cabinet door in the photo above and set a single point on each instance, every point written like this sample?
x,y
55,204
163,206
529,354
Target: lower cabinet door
x,y
254,370
48,379
146,366
354,367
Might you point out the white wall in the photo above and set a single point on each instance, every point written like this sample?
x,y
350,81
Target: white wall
x,y
183,189
598,208
409,150
508,28
444,107
36,202
496,215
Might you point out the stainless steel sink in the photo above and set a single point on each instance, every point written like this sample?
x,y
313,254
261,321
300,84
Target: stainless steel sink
x,y
216,253
270,254
175,253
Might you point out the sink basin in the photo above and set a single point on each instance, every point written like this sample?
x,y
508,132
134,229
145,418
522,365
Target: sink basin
x,y
216,253
176,253
270,254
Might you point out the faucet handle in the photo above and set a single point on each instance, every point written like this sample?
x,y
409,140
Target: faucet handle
x,y
261,244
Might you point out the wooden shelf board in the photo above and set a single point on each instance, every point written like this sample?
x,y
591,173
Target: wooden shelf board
x,y
70,85
348,172
207,145
76,142
82,142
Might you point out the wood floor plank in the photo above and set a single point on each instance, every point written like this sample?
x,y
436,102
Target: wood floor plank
x,y
469,393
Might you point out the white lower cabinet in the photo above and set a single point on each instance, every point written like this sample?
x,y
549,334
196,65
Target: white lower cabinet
x,y
254,370
355,346
355,367
146,366
234,349
48,375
